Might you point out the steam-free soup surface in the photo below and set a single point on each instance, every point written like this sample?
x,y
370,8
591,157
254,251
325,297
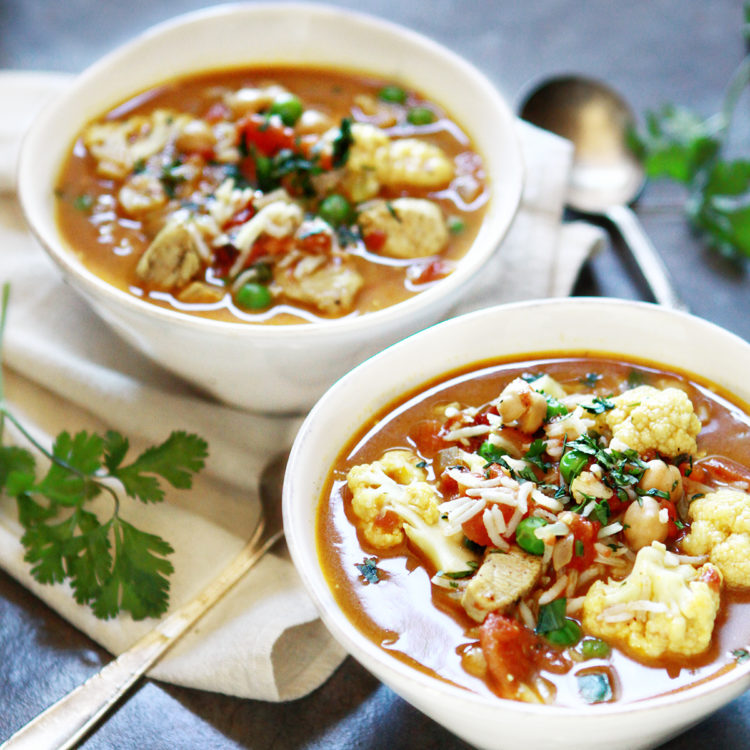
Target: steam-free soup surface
x,y
275,195
563,530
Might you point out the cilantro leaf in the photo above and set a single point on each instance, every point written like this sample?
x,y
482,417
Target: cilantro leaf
x,y
110,564
138,580
175,460
369,570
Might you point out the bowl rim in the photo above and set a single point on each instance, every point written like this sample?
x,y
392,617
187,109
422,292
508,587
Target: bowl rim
x,y
468,267
360,647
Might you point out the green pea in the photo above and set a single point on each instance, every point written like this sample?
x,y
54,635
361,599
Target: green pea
x,y
253,296
571,464
335,209
567,635
526,538
595,648
420,116
555,408
456,225
288,107
393,94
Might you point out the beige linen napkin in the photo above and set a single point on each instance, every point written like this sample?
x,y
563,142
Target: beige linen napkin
x,y
67,370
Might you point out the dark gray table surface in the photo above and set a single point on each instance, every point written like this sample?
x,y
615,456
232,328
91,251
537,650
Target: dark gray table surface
x,y
653,51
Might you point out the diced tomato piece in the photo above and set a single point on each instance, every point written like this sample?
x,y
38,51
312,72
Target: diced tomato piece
x,y
437,269
476,531
388,521
375,240
240,217
510,649
672,530
224,257
585,532
316,243
268,138
267,245
712,577
426,436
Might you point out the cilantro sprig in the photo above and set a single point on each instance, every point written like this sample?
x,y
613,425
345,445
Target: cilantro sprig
x,y
679,145
111,565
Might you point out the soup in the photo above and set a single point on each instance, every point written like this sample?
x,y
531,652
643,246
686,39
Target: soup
x,y
277,195
563,530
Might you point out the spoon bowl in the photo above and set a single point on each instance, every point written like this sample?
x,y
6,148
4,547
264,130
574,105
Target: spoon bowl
x,y
605,176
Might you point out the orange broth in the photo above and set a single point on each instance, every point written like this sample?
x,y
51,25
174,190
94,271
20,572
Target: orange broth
x,y
423,625
111,240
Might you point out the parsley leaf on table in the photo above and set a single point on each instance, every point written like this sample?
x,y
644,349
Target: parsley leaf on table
x,y
110,564
679,145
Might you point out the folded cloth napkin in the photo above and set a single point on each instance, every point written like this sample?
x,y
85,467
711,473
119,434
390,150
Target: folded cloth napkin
x,y
67,370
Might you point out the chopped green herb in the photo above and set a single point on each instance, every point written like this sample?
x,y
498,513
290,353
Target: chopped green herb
x,y
741,655
369,570
471,568
83,202
591,379
491,453
534,455
342,144
579,549
598,406
636,378
594,687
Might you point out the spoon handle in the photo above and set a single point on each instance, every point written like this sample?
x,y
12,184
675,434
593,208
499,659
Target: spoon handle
x,y
646,257
66,722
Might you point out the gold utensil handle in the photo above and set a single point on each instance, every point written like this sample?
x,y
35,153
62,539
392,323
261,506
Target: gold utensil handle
x,y
65,723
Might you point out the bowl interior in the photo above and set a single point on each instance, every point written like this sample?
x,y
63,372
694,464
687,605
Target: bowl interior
x,y
304,34
676,340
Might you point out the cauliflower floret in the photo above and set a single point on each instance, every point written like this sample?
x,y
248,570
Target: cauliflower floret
x,y
413,227
392,498
663,608
647,418
721,529
415,163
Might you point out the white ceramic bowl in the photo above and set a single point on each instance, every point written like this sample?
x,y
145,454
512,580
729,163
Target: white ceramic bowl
x,y
640,330
270,368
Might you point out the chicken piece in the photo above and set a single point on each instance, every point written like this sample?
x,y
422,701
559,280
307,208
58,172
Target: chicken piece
x,y
201,293
413,227
501,581
172,259
329,286
141,194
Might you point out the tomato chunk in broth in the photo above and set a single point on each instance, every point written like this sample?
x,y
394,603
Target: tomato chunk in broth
x,y
565,530
273,195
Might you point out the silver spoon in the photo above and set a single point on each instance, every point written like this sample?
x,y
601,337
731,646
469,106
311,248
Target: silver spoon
x,y
606,177
66,722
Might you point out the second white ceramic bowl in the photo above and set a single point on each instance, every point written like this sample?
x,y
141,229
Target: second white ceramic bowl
x,y
270,368
634,330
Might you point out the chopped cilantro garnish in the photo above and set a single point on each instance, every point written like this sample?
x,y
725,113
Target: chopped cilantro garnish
x,y
369,570
594,687
343,143
591,379
741,655
599,405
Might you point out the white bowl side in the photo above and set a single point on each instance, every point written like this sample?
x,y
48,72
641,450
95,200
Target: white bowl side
x,y
673,339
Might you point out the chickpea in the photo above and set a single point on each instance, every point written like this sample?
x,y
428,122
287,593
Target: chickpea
x,y
663,477
520,403
643,524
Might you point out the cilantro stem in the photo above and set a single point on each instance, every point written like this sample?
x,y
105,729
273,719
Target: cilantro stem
x,y
737,84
